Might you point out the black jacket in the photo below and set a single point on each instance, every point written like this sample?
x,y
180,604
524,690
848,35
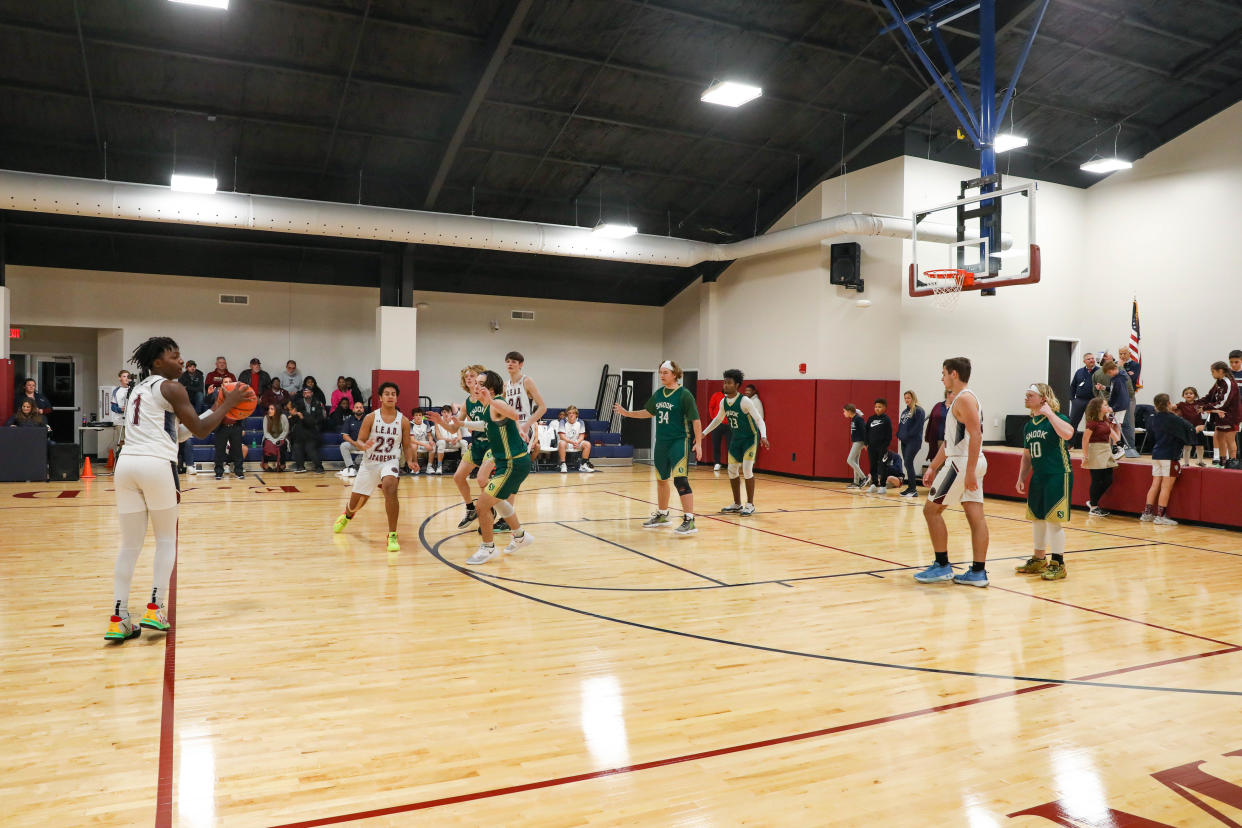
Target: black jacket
x,y
311,421
879,430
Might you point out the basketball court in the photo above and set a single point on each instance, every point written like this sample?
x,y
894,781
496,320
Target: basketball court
x,y
609,675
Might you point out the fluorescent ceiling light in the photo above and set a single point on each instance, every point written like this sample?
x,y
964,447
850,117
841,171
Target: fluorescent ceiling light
x,y
193,183
614,231
729,93
1006,141
1105,165
213,4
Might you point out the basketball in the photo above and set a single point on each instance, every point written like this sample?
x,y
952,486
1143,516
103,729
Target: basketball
x,y
243,409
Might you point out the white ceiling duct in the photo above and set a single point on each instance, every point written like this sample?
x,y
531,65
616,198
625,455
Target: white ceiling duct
x,y
38,193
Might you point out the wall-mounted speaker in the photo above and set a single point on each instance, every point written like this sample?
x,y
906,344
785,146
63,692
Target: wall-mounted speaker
x,y
845,266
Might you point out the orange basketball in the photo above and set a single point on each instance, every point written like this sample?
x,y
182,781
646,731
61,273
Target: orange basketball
x,y
244,408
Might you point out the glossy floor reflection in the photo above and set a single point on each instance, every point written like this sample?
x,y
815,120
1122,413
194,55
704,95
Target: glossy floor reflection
x,y
782,669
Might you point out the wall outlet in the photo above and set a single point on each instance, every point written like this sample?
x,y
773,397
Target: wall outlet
x,y
794,457
995,421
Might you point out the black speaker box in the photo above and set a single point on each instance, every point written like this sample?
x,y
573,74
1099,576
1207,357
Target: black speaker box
x,y
845,264
1014,424
63,460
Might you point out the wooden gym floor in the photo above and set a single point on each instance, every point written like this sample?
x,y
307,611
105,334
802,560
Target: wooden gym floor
x,y
778,670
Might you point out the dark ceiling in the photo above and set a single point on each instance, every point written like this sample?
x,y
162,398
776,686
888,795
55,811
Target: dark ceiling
x,y
550,110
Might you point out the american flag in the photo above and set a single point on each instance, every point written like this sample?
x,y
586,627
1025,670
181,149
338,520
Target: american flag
x,y
1134,336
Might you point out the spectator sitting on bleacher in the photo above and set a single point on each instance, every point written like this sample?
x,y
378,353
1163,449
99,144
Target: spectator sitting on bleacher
x,y
316,391
192,379
355,391
350,447
305,422
572,436
275,394
275,438
216,378
291,379
341,411
342,392
542,440
254,376
448,441
27,416
422,434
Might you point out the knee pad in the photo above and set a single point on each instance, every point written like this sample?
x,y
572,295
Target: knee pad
x,y
503,508
1040,531
733,470
748,469
682,485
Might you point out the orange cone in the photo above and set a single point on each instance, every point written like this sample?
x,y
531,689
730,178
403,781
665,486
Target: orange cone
x,y
111,458
87,474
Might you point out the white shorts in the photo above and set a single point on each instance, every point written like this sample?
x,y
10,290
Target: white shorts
x,y
1164,468
949,487
370,475
145,484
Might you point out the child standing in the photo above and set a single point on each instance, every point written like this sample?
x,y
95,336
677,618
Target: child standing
x,y
1190,411
1171,433
879,436
858,432
1098,438
1222,403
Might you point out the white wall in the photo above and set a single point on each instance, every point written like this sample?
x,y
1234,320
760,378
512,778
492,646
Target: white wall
x,y
565,346
681,326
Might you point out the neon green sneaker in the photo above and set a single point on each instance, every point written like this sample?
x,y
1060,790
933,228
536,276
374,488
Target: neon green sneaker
x,y
340,524
1054,572
393,546
1033,566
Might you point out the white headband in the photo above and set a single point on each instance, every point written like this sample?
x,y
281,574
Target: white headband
x,y
1035,389
666,364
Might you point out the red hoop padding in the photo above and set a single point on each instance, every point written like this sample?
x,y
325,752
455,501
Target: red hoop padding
x,y
963,277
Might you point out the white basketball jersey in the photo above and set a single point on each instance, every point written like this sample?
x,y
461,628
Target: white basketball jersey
x,y
956,441
515,395
387,437
150,424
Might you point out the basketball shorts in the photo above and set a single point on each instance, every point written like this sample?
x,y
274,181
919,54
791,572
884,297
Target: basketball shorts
x,y
478,451
669,457
949,487
370,475
1048,497
742,447
145,484
509,476
1165,468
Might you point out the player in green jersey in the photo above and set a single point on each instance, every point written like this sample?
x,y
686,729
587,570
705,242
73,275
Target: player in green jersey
x,y
472,456
1048,493
673,408
747,432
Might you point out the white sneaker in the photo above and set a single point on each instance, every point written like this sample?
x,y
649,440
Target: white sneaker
x,y
882,490
193,469
517,543
483,554
872,489
731,509
343,473
1146,517
1164,520
716,467
439,469
747,510
564,469
353,472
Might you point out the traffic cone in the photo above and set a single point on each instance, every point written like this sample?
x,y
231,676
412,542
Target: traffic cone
x,y
111,458
87,474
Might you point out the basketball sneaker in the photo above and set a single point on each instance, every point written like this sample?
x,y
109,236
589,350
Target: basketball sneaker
x,y
519,541
686,528
470,516
731,510
393,546
1147,517
483,554
910,493
935,572
716,467
585,466
339,526
972,578
564,469
872,489
658,520
747,510
501,526
1033,566
1054,572
155,619
1096,511
120,628
1164,520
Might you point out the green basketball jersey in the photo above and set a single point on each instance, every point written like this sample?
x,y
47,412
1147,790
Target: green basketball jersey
x,y
740,423
1048,454
674,410
504,438
476,410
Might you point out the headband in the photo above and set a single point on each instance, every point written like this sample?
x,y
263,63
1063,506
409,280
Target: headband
x,y
1035,389
668,365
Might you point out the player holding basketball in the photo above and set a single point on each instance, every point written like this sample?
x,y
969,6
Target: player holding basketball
x,y
748,431
508,451
383,435
146,477
673,407
1044,438
959,481
522,395
472,418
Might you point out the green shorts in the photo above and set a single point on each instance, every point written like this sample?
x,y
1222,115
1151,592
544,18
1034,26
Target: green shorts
x,y
670,457
509,476
478,451
1049,497
742,447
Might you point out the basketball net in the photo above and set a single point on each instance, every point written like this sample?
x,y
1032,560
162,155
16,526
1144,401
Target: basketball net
x,y
947,286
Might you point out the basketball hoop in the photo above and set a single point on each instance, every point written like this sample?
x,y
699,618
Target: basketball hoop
x,y
947,285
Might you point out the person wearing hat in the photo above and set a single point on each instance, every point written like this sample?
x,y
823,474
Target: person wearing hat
x,y
254,376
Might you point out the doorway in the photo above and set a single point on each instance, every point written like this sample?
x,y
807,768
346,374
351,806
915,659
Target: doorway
x,y
636,388
56,377
1061,356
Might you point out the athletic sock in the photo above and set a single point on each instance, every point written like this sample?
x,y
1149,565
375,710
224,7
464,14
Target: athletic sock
x,y
663,512
977,566
1149,509
521,533
1058,558
120,611
942,559
689,516
1160,510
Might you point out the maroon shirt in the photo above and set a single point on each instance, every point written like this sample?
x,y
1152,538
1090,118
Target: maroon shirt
x,y
1190,412
1100,430
217,378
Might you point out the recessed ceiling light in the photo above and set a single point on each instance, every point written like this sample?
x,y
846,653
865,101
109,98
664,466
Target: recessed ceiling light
x,y
1106,165
1006,141
193,183
614,231
730,93
212,4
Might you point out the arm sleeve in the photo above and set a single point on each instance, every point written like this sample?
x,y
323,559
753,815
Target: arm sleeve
x,y
474,425
720,415
755,414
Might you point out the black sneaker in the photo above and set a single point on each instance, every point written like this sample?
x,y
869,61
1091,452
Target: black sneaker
x,y
219,475
299,470
181,468
241,475
501,526
471,516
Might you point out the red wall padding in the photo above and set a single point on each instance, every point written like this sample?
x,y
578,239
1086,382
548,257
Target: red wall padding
x,y
407,381
6,389
832,437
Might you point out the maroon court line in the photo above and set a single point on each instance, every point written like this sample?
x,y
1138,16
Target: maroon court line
x,y
164,788
708,754
1003,589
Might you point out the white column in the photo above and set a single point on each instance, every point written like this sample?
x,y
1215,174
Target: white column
x,y
4,317
396,334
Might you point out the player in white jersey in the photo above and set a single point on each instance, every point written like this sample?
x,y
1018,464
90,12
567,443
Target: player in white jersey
x,y
523,396
956,476
146,477
384,435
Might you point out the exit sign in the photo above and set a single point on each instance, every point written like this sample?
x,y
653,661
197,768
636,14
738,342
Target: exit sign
x,y
15,333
